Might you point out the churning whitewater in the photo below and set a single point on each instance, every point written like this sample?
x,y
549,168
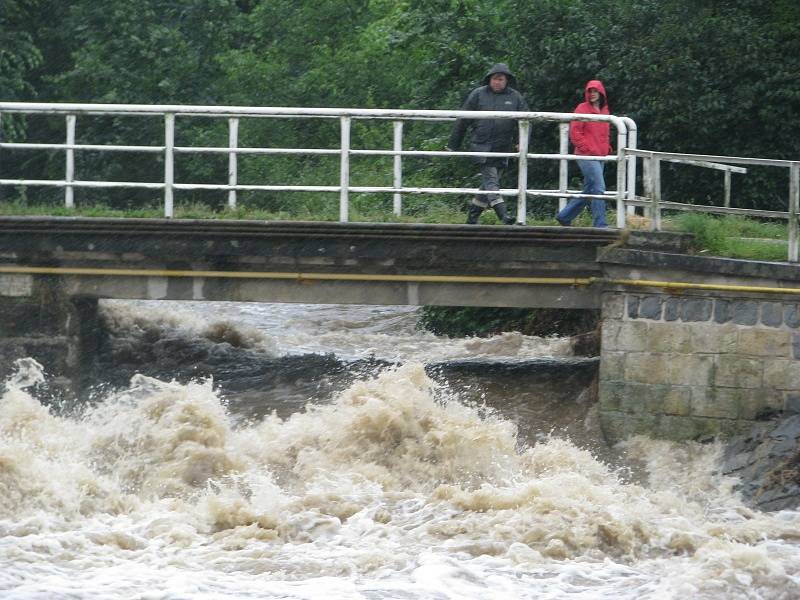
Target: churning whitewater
x,y
396,486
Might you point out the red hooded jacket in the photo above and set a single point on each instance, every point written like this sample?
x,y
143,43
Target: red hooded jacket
x,y
591,138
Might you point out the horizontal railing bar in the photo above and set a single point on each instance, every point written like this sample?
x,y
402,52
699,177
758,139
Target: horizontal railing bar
x,y
487,154
646,202
312,151
776,214
389,189
570,194
225,150
86,184
504,192
264,188
214,115
723,210
228,111
220,150
292,188
302,188
99,147
707,164
769,162
425,190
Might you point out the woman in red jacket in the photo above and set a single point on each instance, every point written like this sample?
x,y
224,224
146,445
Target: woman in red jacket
x,y
590,138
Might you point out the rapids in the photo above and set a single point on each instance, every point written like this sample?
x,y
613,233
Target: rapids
x,y
392,483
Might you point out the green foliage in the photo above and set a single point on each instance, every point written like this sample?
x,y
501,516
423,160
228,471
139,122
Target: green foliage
x,y
19,58
704,77
462,321
468,321
19,55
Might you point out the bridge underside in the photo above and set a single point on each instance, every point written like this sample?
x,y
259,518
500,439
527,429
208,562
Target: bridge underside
x,y
334,292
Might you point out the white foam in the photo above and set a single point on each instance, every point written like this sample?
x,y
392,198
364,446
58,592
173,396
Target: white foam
x,y
394,488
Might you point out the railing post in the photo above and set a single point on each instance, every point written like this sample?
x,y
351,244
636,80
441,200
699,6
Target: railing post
x,y
727,189
1,154
621,188
233,143
344,174
563,164
169,163
647,181
794,211
398,167
655,173
631,179
522,171
69,198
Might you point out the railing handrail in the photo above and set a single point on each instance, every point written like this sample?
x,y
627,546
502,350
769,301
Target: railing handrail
x,y
652,200
625,156
169,112
289,111
716,158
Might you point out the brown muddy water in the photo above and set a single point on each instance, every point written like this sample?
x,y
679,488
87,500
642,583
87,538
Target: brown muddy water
x,y
289,451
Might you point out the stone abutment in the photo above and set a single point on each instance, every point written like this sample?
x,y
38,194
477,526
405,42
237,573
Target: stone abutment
x,y
696,365
41,321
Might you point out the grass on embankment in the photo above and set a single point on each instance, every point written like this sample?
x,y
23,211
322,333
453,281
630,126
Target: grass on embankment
x,y
729,236
733,236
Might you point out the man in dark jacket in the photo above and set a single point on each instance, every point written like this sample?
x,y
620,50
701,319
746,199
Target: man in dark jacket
x,y
490,135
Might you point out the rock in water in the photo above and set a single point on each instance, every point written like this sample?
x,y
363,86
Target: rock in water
x,y
767,461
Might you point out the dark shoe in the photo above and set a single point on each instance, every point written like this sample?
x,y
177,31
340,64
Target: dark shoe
x,y
473,214
562,222
502,213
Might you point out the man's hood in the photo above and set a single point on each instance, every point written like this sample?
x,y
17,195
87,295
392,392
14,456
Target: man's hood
x,y
500,68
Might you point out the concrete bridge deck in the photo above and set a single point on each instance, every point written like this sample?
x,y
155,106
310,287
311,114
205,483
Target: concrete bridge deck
x,y
314,262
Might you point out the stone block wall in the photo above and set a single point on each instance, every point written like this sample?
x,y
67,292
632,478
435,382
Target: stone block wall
x,y
695,366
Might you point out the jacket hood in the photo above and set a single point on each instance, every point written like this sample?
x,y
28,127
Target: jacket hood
x,y
500,68
598,85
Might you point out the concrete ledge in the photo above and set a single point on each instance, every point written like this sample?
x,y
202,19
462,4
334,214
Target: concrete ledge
x,y
658,241
667,261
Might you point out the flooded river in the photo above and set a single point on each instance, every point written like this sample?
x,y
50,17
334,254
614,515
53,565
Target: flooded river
x,y
336,452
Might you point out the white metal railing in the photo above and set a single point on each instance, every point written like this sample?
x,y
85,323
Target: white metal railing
x,y
653,202
625,158
625,128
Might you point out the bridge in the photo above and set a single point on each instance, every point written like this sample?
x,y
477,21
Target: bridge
x,y
691,346
310,262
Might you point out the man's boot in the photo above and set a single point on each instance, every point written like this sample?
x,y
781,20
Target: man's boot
x,y
473,214
502,213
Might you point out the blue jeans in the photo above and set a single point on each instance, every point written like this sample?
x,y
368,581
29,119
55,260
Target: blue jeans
x,y
593,183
